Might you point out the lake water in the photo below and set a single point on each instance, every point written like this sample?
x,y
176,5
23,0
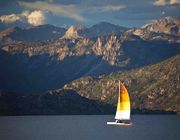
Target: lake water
x,y
90,127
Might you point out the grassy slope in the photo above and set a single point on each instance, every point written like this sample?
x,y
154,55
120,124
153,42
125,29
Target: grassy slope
x,y
155,87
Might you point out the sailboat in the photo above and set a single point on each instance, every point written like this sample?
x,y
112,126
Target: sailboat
x,y
122,116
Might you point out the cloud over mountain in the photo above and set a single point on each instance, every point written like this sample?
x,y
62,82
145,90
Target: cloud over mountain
x,y
34,18
128,13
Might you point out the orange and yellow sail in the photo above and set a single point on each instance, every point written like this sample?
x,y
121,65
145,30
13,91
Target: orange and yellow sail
x,y
123,106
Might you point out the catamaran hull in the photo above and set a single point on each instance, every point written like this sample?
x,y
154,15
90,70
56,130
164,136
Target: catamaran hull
x,y
119,124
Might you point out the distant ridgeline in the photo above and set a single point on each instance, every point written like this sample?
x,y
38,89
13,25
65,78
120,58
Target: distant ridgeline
x,y
75,71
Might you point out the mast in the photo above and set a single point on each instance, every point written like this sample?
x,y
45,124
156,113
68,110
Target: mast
x,y
119,88
119,98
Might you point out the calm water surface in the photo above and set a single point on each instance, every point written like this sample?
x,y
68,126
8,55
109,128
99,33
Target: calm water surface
x,y
92,127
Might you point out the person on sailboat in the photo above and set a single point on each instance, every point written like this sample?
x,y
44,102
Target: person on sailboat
x,y
118,121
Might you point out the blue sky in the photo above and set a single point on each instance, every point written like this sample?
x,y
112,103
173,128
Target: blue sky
x,y
129,13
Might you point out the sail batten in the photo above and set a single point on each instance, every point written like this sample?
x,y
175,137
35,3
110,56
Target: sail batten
x,y
123,106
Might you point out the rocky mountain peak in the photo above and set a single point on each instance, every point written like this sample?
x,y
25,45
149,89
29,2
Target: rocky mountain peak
x,y
105,28
167,25
74,31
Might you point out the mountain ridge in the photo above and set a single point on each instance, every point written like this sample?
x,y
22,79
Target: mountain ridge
x,y
89,95
56,61
34,74
167,25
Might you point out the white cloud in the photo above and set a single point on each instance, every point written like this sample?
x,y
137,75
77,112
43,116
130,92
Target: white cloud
x,y
165,2
10,18
33,18
70,11
36,18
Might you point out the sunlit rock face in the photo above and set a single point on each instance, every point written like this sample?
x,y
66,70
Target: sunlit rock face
x,y
74,31
167,25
